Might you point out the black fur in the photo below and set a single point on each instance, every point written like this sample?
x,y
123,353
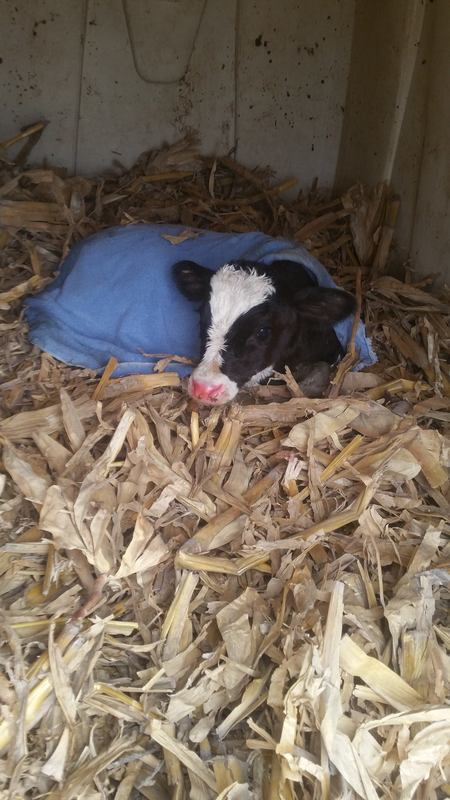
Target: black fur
x,y
294,326
192,280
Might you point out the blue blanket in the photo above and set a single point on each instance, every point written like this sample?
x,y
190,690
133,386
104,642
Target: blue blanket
x,y
115,296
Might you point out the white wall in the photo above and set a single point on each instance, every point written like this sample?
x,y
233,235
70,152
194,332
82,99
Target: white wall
x,y
397,120
341,90
430,229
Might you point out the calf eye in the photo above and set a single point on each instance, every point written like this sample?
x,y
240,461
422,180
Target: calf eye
x,y
263,333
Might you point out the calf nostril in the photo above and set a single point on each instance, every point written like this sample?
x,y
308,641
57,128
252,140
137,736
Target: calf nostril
x,y
199,390
214,391
195,388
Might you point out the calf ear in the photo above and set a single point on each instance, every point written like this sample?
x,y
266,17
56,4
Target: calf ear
x,y
327,305
192,280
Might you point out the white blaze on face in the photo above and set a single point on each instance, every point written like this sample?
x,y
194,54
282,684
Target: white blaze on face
x,y
234,292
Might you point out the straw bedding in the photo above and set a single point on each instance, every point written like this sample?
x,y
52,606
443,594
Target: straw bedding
x,y
248,602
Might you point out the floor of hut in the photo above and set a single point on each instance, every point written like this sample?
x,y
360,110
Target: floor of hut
x,y
248,602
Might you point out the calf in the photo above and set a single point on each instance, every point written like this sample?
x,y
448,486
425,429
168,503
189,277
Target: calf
x,y
255,319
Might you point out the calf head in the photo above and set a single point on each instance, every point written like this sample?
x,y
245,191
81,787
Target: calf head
x,y
255,319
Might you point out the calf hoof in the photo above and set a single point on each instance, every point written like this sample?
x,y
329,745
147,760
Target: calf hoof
x,y
313,379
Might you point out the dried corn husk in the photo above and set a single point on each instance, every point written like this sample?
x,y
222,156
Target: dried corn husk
x,y
235,603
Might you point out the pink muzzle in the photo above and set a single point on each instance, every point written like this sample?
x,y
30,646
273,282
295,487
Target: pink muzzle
x,y
207,393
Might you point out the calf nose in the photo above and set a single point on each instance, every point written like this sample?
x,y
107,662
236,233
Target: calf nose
x,y
205,391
